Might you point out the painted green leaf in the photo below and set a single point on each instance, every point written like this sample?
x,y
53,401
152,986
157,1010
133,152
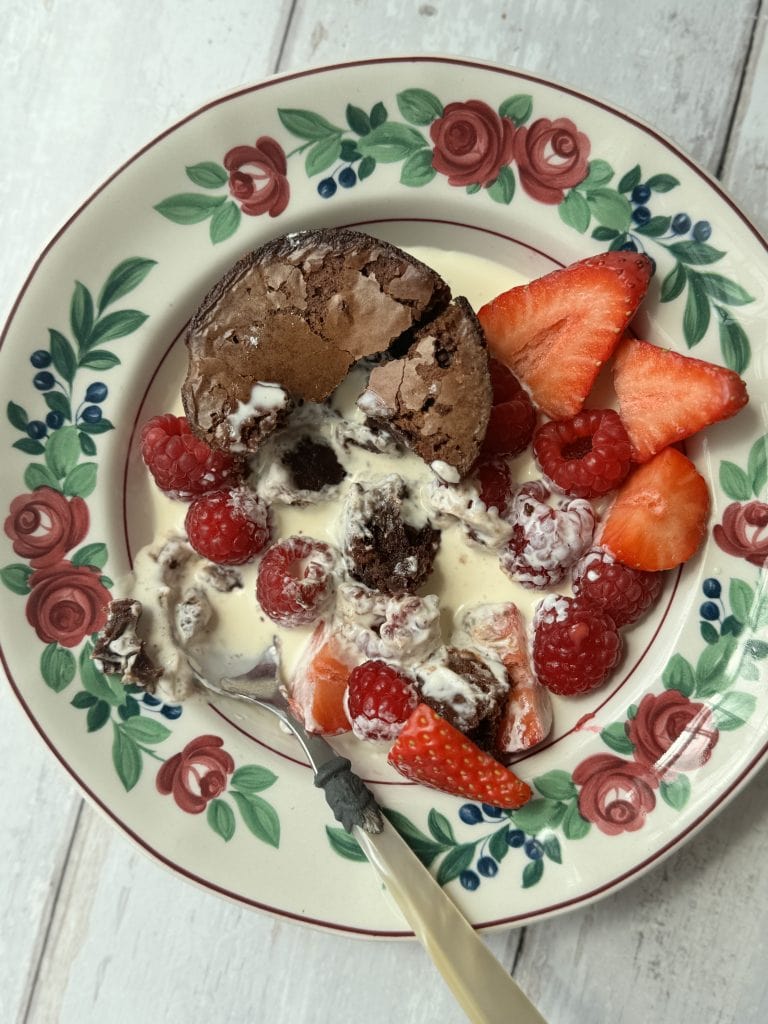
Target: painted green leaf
x,y
732,625
344,844
391,142
189,207
532,873
662,183
552,849
472,190
426,849
632,711
676,793
733,710
224,222
503,188
678,675
87,445
419,106
674,283
556,784
322,154
99,359
28,446
62,354
306,124
417,169
366,168
146,730
252,778
517,108
91,554
559,813
17,416
695,253
378,114
455,861
116,325
124,278
721,289
599,173
81,313
734,343
108,688
749,671
349,151
714,669
734,481
610,208
81,481
741,598
601,234
756,649
573,825
62,451
708,632
58,402
57,667
126,757
630,179
207,174
37,475
615,737
757,465
535,815
221,818
697,311
83,700
618,241
358,120
498,847
441,828
259,816
655,227
98,716
574,211
130,709
101,427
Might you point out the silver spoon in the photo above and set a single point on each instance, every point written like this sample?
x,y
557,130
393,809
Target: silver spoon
x,y
482,987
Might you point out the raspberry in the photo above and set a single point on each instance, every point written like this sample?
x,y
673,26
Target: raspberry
x,y
295,580
504,384
378,700
182,465
227,527
545,541
494,481
624,593
513,417
587,455
575,645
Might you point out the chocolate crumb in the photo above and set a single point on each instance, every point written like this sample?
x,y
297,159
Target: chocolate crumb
x,y
313,465
120,651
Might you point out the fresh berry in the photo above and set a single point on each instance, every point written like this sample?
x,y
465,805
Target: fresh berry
x,y
546,541
659,517
494,480
624,593
379,700
430,751
510,426
665,396
504,384
556,332
182,465
587,455
227,527
319,683
295,580
575,645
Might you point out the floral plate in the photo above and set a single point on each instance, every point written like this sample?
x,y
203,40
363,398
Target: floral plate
x,y
437,151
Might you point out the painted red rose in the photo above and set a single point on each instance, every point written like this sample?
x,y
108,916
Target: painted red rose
x,y
671,733
66,603
616,795
196,775
744,531
472,143
44,525
257,177
551,156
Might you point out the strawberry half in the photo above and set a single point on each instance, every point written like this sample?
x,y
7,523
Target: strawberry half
x,y
556,332
431,751
665,396
659,517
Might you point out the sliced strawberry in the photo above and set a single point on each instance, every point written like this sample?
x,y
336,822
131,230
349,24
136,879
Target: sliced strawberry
x,y
430,751
659,517
665,396
317,690
556,332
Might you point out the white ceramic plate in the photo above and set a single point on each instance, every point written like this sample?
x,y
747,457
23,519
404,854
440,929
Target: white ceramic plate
x,y
436,151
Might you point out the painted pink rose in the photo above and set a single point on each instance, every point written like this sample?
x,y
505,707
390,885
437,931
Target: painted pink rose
x,y
472,143
744,532
196,775
257,177
66,603
671,733
44,525
551,157
616,795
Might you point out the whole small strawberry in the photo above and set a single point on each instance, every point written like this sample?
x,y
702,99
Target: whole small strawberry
x,y
228,527
575,645
181,464
379,700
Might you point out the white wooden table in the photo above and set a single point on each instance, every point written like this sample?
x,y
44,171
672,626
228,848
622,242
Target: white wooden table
x,y
91,930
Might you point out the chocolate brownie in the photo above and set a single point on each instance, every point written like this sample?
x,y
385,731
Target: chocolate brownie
x,y
462,688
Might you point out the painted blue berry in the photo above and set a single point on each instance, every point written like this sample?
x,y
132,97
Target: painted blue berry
x,y
681,224
492,812
36,429
534,849
641,194
470,814
347,177
641,215
712,587
628,246
40,359
150,701
54,419
326,188
91,414
171,711
470,880
709,611
43,381
96,392
702,229
515,837
487,867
